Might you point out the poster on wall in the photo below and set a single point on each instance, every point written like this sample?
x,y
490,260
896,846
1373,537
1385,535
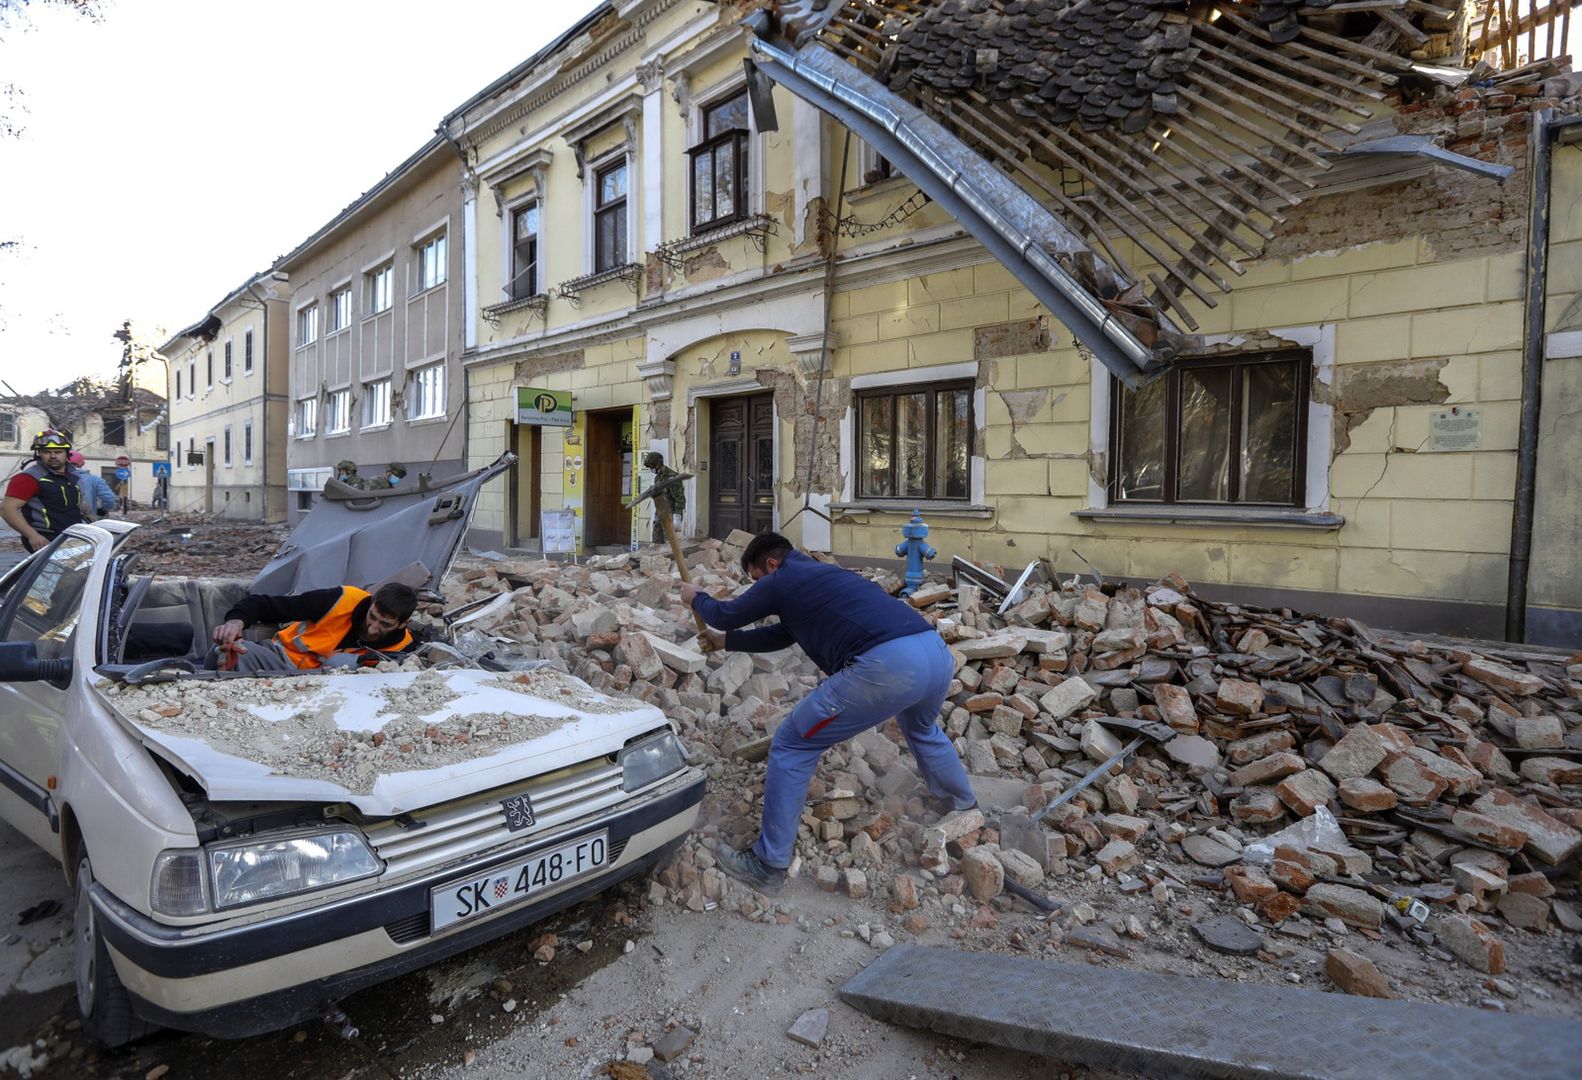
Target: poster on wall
x,y
572,471
543,408
559,531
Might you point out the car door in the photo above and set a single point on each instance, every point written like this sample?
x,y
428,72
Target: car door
x,y
46,605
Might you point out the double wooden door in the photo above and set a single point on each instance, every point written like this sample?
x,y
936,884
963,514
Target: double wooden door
x,y
741,464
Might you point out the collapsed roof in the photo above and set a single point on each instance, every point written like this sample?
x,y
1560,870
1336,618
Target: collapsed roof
x,y
1123,158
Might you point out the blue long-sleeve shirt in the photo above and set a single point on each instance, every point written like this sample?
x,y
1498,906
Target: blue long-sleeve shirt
x,y
98,492
834,614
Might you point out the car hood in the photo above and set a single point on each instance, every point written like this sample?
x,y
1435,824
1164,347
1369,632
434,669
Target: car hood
x,y
362,538
445,734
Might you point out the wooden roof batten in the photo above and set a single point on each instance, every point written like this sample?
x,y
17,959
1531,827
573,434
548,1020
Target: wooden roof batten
x,y
1179,132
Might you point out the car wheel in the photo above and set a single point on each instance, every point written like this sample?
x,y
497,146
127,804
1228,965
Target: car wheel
x,y
106,1007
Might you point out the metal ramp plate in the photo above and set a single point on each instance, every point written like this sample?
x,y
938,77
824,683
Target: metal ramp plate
x,y
1174,1025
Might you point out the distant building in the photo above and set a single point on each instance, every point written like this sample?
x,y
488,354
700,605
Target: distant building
x,y
106,420
228,404
376,332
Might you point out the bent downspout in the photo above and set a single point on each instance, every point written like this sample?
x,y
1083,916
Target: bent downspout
x,y
1544,131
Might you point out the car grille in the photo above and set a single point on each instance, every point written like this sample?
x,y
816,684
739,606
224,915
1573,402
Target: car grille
x,y
415,927
440,835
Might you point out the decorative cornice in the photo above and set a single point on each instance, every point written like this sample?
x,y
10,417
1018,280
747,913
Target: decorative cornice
x,y
556,87
808,351
660,376
651,75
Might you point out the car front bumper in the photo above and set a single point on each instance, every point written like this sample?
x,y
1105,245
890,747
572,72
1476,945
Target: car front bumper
x,y
263,976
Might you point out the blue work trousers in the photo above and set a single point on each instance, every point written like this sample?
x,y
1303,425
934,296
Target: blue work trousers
x,y
905,678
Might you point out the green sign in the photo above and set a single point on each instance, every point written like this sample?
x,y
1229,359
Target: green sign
x,y
543,408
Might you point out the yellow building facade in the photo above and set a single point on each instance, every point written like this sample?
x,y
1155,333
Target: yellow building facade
x,y
1343,438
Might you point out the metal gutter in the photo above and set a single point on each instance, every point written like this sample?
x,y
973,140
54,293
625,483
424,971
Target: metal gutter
x,y
1008,222
1544,130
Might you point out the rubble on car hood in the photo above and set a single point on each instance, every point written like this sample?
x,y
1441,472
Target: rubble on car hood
x,y
385,741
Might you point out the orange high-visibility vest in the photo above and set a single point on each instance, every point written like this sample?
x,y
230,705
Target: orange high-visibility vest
x,y
307,643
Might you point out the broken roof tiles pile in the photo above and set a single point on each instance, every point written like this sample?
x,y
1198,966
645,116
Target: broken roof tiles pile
x,y
1454,773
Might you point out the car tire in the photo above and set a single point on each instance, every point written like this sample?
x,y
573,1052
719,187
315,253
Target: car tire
x,y
106,1007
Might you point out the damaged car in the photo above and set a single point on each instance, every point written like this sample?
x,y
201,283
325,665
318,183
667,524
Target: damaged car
x,y
244,851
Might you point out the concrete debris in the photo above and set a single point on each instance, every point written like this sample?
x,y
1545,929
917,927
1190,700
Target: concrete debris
x,y
1438,761
810,1027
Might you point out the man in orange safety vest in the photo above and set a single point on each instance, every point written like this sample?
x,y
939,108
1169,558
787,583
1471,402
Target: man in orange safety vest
x,y
341,627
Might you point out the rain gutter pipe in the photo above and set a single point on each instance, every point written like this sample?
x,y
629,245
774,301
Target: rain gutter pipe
x,y
970,190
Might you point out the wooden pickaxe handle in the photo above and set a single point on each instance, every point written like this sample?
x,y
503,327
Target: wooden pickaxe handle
x,y
662,507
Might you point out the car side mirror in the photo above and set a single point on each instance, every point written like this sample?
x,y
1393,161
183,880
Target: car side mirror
x,y
20,662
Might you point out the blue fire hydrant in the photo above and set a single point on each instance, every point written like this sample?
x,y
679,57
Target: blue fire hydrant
x,y
914,551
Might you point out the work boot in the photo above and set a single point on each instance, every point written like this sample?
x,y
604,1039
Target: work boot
x,y
746,866
940,806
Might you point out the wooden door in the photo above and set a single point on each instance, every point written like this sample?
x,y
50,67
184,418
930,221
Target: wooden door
x,y
605,521
741,464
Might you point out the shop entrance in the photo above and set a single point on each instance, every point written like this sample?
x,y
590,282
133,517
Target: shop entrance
x,y
741,464
526,483
607,480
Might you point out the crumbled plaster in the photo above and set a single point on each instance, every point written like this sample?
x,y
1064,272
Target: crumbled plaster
x,y
1015,338
705,265
794,402
1363,388
533,366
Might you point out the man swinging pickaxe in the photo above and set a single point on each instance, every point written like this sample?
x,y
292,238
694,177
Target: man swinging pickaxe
x,y
659,493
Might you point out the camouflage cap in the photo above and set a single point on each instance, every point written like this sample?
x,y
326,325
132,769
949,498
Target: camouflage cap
x,y
397,468
346,465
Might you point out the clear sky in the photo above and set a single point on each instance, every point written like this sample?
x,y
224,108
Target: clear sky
x,y
175,147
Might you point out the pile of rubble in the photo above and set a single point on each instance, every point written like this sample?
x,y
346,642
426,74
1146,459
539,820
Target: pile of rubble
x,y
1318,771
194,545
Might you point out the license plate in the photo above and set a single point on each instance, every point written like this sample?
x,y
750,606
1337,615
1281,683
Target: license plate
x,y
506,886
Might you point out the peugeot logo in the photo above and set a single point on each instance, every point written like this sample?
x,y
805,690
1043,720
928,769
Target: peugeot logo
x,y
518,812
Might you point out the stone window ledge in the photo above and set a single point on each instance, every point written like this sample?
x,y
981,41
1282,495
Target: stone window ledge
x,y
1253,516
928,508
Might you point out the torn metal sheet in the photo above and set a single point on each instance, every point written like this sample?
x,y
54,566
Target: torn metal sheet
x,y
1027,239
1421,146
1175,1025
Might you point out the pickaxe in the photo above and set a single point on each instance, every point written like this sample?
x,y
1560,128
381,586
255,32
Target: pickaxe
x,y
662,508
1144,731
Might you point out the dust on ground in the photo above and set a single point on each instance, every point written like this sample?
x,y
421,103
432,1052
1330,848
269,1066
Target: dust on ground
x,y
289,724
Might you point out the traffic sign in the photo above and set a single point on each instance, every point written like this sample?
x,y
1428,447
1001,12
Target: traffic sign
x,y
161,470
123,474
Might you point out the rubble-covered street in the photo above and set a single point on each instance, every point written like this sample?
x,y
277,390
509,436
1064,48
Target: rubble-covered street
x,y
1320,778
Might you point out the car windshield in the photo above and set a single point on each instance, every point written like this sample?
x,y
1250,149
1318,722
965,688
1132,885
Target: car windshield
x,y
50,608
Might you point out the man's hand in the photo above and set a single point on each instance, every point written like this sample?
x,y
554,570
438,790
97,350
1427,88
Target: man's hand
x,y
228,632
711,640
688,591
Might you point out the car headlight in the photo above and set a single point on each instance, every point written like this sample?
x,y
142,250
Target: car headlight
x,y
262,870
652,759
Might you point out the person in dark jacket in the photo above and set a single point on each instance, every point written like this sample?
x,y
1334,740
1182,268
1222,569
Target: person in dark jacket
x,y
338,627
883,659
44,498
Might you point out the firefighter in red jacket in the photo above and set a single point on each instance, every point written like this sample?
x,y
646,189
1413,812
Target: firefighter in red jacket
x,y
44,497
341,627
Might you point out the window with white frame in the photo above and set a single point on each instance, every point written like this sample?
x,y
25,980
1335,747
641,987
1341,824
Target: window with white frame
x,y
307,325
225,372
225,443
431,263
719,172
178,383
338,412
609,216
915,442
192,379
8,424
524,252
247,352
247,443
376,403
307,418
340,313
209,369
426,398
380,286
